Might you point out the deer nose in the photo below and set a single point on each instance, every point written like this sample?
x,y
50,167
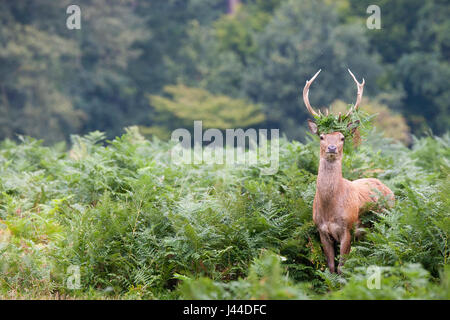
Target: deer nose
x,y
331,149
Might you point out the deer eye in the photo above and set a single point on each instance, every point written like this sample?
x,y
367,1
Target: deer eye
x,y
321,137
343,138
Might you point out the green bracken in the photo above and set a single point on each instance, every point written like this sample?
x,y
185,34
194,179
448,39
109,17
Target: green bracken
x,y
140,227
342,123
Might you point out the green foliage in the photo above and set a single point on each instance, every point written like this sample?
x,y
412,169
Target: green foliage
x,y
407,282
343,123
391,124
185,105
31,102
266,280
55,82
293,46
141,227
237,33
413,45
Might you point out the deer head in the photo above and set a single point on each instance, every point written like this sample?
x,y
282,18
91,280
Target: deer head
x,y
331,144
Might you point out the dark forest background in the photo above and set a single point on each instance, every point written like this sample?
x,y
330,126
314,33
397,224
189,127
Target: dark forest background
x,y
161,64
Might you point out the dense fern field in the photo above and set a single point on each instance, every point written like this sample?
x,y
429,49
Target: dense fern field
x,y
139,227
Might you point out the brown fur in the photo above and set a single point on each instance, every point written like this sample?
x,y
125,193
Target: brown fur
x,y
339,202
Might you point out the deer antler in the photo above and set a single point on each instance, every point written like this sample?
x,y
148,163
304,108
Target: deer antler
x,y
306,93
359,95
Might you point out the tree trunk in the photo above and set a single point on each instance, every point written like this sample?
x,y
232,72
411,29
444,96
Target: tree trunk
x,y
232,6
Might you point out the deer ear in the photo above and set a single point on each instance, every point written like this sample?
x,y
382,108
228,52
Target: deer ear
x,y
353,126
312,127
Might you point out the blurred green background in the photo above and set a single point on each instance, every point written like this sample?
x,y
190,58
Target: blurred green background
x,y
161,64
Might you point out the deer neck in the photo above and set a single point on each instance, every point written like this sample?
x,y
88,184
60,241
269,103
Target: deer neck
x,y
329,179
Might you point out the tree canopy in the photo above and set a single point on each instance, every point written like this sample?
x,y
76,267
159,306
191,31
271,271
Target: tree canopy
x,y
55,82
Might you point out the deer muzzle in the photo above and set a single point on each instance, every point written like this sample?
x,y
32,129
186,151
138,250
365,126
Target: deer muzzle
x,y
331,149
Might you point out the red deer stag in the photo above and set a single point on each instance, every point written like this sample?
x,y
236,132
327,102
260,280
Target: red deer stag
x,y
339,202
